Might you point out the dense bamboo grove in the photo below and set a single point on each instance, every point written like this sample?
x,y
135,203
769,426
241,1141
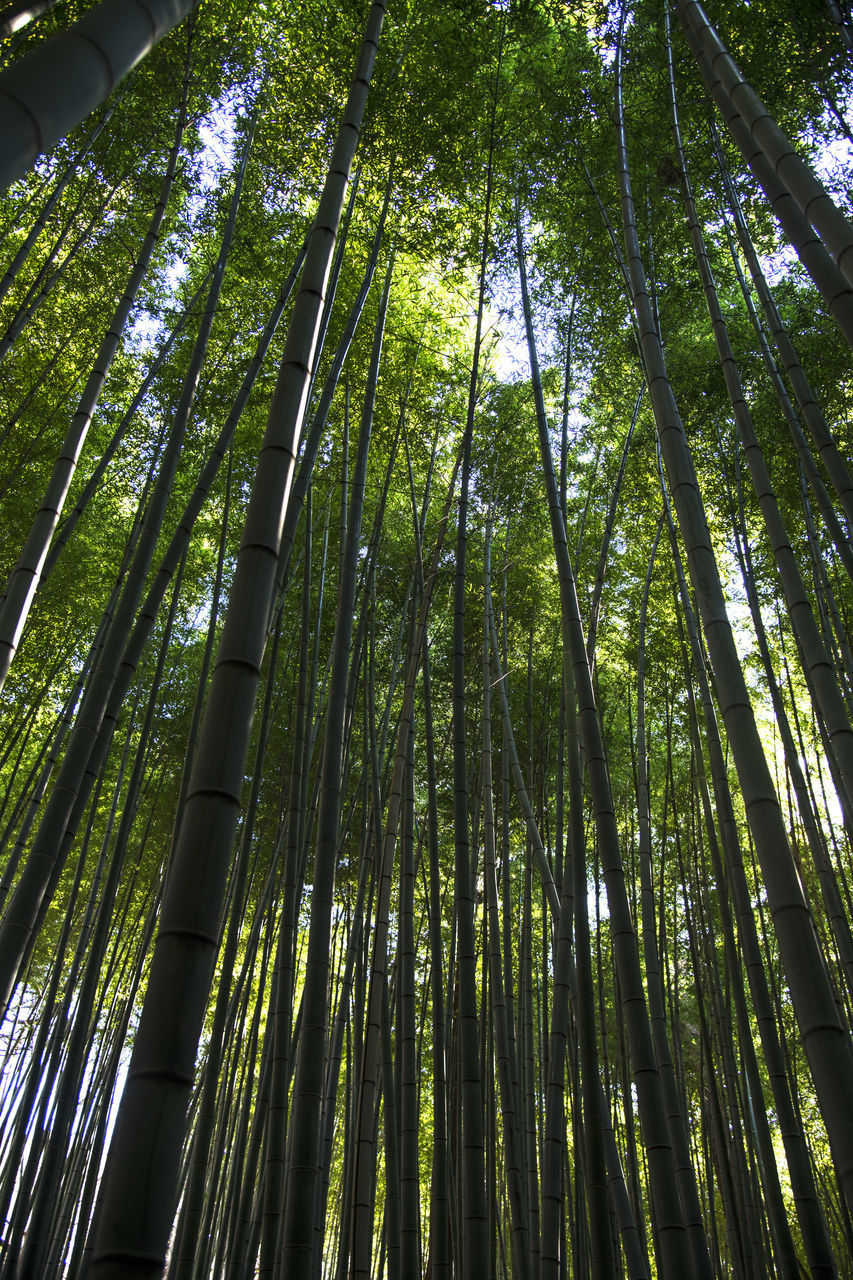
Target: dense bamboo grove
x,y
426,762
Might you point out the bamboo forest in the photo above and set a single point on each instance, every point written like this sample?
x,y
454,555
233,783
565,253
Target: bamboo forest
x,y
426,639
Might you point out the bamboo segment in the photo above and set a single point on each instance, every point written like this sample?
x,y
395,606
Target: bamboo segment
x,y
47,92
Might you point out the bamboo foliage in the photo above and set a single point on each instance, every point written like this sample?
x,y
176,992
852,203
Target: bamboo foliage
x,y
426,791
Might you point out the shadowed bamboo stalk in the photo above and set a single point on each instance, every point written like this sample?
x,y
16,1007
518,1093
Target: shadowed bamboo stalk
x,y
161,1071
833,287
792,171
826,1041
671,1234
303,1155
504,1047
817,666
806,1200
47,92
654,985
810,409
365,1104
471,1185
90,738
603,1160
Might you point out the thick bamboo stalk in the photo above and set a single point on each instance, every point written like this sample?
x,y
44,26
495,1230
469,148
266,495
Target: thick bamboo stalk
x,y
92,729
826,1041
790,168
160,1075
47,92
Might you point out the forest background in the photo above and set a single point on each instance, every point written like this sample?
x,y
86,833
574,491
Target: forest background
x,y
427,765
